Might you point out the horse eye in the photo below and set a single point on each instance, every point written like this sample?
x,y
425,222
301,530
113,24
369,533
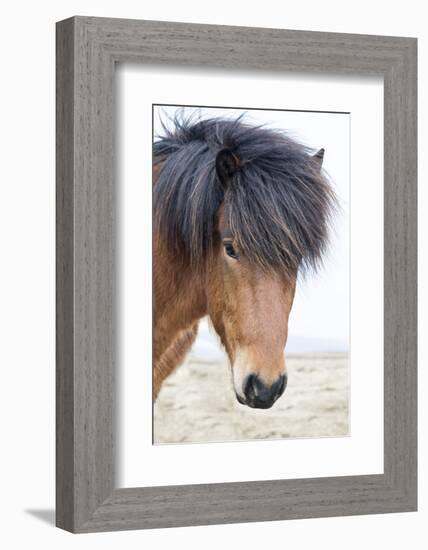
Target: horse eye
x,y
230,251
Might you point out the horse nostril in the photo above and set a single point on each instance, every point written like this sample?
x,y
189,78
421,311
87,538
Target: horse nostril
x,y
281,386
251,388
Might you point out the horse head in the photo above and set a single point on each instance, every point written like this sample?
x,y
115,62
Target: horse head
x,y
247,208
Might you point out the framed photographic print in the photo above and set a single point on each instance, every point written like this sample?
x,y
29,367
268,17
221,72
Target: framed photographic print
x,y
236,274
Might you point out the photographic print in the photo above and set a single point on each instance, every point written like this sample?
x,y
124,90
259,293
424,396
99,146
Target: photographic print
x,y
250,274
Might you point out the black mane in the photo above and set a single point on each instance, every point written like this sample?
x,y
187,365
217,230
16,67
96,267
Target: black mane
x,y
278,204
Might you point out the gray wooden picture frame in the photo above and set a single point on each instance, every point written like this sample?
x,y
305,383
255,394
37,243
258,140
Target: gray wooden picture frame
x,y
87,51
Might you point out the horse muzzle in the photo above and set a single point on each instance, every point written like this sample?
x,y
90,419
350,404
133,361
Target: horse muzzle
x,y
258,395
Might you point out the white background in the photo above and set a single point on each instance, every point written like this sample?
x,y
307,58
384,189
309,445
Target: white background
x,y
27,274
362,452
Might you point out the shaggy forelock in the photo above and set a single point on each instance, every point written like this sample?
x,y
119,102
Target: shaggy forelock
x,y
277,205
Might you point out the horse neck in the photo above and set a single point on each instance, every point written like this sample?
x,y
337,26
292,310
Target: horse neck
x,y
179,295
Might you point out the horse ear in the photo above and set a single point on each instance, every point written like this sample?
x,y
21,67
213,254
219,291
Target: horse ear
x,y
319,157
226,165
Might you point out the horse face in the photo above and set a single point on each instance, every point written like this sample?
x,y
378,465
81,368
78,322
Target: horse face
x,y
249,310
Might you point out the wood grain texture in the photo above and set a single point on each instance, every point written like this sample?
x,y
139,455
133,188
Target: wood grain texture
x,y
64,277
87,49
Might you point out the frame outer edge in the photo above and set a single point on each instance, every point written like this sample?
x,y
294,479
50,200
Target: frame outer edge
x,y
65,274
